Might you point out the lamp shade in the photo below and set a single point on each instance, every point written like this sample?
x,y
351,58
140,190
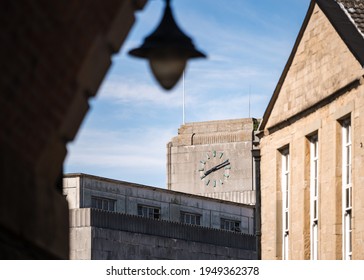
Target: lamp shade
x,y
167,48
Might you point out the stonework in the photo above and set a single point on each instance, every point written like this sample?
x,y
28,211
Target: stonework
x,y
199,147
321,66
323,86
54,57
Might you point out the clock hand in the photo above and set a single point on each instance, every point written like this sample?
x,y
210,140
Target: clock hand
x,y
221,165
217,167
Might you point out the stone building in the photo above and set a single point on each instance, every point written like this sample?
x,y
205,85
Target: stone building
x,y
112,219
312,151
213,159
54,55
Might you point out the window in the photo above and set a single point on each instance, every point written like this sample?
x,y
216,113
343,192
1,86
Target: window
x,y
149,212
346,189
285,181
103,203
314,195
230,225
190,218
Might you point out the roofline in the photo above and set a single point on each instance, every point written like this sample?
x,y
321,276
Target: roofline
x,y
80,174
158,189
220,121
346,29
286,68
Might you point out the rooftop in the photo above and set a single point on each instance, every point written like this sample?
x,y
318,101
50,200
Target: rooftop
x,y
154,189
355,11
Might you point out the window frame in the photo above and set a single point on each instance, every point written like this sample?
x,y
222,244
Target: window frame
x,y
347,188
190,218
285,190
230,225
314,195
148,211
107,204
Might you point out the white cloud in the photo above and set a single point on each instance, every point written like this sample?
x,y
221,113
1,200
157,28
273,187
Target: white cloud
x,y
135,155
128,90
126,149
229,106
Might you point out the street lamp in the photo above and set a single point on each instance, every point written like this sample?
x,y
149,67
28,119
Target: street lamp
x,y
167,48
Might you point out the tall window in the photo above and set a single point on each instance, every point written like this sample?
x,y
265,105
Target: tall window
x,y
190,218
346,189
314,195
149,212
285,202
102,203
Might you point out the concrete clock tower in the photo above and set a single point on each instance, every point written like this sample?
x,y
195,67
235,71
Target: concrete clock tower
x,y
213,159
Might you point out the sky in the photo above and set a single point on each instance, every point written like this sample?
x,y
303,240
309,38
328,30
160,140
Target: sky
x,y
131,119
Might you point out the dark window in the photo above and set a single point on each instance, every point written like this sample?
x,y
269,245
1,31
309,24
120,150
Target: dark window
x,y
230,225
103,203
190,218
149,212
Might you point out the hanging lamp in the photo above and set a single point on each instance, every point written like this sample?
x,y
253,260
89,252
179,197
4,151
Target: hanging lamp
x,y
167,48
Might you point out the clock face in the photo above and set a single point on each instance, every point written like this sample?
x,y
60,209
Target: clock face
x,y
214,169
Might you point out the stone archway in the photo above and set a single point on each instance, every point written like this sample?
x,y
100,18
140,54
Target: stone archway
x,y
54,56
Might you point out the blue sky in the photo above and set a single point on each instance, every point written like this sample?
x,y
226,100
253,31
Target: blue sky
x,y
131,120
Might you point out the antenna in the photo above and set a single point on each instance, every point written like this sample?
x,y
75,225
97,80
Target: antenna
x,y
249,99
183,98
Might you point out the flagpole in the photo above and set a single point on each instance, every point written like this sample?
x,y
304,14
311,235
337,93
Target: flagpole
x,y
183,97
249,98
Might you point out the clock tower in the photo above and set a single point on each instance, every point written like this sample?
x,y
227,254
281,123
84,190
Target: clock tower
x,y
213,159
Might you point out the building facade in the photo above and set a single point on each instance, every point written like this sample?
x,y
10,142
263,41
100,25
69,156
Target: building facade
x,y
312,168
213,159
119,220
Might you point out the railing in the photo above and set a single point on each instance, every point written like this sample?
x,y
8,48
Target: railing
x,y
229,137
87,217
245,197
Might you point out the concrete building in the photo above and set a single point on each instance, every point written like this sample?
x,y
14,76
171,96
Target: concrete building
x,y
312,167
213,159
112,219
